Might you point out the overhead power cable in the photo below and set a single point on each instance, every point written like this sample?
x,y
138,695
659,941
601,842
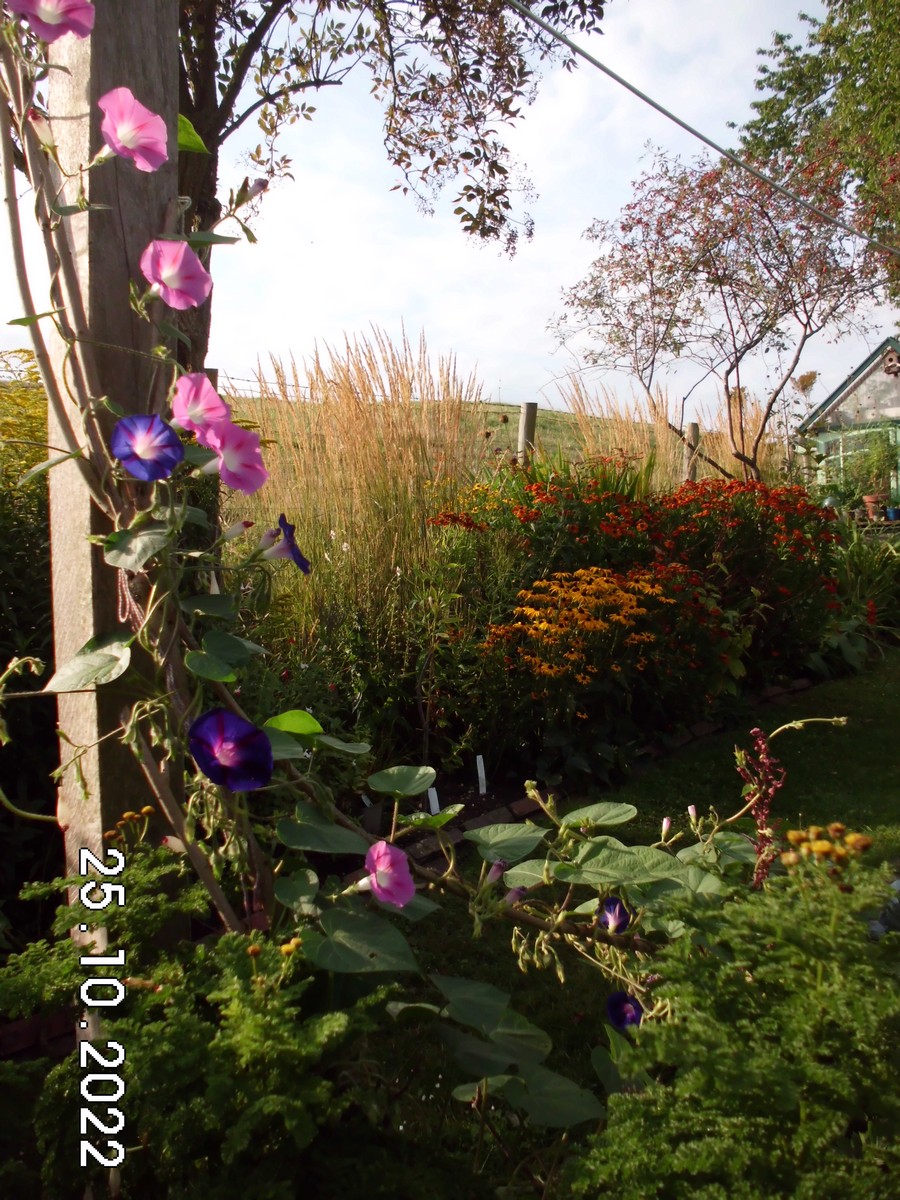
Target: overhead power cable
x,y
577,50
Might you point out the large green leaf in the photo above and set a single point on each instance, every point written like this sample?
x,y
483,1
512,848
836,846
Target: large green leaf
x,y
361,943
284,747
480,1005
527,1042
297,891
99,661
550,1099
474,1055
342,747
506,843
526,874
402,781
209,605
208,666
129,549
236,651
600,815
430,820
604,861
296,721
310,829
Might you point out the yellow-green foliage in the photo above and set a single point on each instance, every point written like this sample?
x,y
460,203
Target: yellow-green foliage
x,y
23,414
24,553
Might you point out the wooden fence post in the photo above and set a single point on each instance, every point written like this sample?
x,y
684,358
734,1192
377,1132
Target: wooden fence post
x,y
134,45
691,446
527,426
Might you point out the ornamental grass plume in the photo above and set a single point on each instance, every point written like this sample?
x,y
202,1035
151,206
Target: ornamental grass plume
x,y
132,131
53,19
231,751
146,446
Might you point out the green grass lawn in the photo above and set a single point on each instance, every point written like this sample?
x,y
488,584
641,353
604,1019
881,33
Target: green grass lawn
x,y
849,774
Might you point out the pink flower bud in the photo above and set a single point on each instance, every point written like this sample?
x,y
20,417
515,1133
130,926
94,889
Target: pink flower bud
x,y
666,826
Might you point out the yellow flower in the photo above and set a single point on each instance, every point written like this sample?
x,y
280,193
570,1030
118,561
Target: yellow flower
x,y
797,836
821,848
856,843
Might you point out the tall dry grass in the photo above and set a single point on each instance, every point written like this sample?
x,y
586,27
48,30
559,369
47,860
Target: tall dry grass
x,y
609,425
363,444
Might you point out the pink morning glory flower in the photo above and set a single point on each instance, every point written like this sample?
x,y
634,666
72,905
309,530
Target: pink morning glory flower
x,y
238,456
52,19
196,404
176,274
132,131
146,446
285,546
231,751
389,878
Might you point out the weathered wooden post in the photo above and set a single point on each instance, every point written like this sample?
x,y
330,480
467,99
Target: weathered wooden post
x,y
527,427
691,446
134,46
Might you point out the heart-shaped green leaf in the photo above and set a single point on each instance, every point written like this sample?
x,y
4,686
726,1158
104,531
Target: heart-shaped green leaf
x,y
402,781
506,843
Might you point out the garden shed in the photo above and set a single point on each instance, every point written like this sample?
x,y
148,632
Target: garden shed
x,y
855,432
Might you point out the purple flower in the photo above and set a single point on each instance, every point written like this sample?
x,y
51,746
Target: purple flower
x,y
286,547
623,1010
497,871
613,916
231,751
514,896
146,447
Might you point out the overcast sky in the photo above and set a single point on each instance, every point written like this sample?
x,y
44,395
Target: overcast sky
x,y
339,251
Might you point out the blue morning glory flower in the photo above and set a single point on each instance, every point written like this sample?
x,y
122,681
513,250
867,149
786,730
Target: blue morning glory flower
x,y
231,751
623,1010
146,446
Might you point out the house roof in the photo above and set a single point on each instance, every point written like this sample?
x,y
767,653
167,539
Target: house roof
x,y
866,368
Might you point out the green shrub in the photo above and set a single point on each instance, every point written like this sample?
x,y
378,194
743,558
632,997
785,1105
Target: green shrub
x,y
778,1072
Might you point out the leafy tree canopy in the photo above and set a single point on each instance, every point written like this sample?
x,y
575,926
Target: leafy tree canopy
x,y
836,98
707,268
448,73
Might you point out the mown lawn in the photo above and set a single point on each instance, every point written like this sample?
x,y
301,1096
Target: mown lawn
x,y
834,773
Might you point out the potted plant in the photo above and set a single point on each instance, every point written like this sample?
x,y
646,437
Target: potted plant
x,y
870,470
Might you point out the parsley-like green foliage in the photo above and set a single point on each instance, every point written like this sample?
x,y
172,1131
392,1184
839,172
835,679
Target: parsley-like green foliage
x,y
778,1073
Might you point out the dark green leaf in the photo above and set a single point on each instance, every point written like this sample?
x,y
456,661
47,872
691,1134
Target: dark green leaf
x,y
506,843
310,829
208,666
402,781
358,943
208,605
129,549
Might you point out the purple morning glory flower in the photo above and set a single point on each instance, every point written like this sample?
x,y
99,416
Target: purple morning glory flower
x,y
231,751
613,916
146,446
623,1010
287,547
